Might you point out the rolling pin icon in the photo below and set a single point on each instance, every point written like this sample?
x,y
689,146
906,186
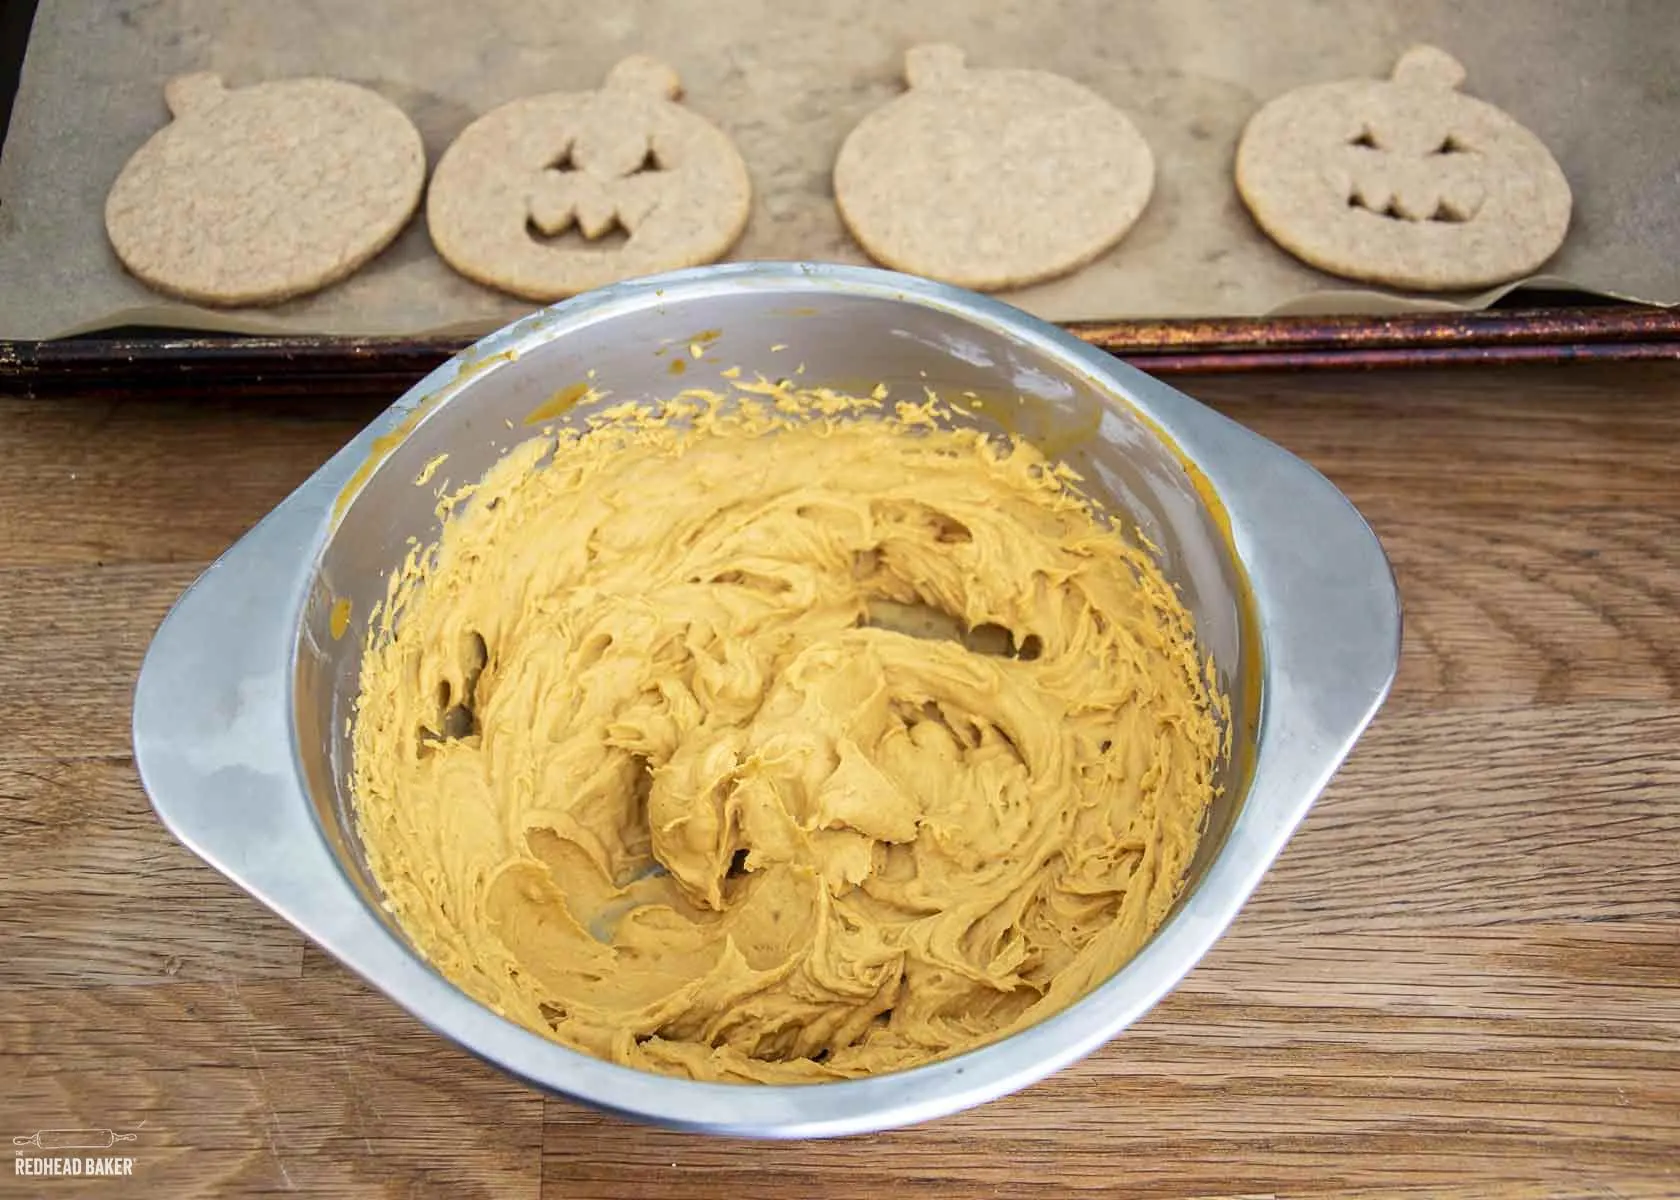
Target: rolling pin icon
x,y
73,1139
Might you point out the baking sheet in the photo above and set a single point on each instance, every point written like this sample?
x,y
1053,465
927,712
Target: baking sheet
x,y
789,78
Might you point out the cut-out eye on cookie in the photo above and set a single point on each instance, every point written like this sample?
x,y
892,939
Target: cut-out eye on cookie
x,y
1451,144
1365,138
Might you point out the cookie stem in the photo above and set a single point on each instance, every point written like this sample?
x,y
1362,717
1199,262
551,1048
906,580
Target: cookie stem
x,y
193,93
932,66
1427,67
644,76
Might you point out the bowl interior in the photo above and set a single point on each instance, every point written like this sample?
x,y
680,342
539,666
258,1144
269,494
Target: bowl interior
x,y
1026,381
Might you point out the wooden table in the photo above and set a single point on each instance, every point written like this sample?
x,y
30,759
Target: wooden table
x,y
1462,978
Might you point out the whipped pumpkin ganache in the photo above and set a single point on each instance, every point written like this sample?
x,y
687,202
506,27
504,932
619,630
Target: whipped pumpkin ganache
x,y
784,737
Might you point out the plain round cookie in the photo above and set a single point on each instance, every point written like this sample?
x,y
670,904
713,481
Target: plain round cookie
x,y
991,179
626,159
1405,182
258,194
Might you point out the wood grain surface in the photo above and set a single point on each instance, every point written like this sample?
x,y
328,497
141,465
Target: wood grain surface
x,y
1462,978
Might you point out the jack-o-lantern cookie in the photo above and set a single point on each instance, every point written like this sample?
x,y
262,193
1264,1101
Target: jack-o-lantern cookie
x,y
257,194
991,179
626,161
1404,181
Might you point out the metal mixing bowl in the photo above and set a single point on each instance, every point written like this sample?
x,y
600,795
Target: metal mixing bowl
x,y
243,709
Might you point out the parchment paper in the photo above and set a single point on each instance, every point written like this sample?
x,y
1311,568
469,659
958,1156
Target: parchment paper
x,y
1598,81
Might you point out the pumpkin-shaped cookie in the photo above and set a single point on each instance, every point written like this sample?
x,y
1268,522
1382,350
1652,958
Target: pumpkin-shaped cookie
x,y
256,194
1404,181
991,179
626,159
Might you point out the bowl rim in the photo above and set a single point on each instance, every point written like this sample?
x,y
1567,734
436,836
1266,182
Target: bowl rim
x,y
216,740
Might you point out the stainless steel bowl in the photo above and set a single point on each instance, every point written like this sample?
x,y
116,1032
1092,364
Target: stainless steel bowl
x,y
243,709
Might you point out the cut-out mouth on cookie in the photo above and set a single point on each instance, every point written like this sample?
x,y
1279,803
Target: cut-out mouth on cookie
x,y
1445,211
614,237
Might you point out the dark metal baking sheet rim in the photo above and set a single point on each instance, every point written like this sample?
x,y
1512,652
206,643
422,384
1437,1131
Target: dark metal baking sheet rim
x,y
178,363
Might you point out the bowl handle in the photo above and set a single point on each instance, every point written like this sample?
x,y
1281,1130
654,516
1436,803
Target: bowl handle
x,y
213,738
1330,633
